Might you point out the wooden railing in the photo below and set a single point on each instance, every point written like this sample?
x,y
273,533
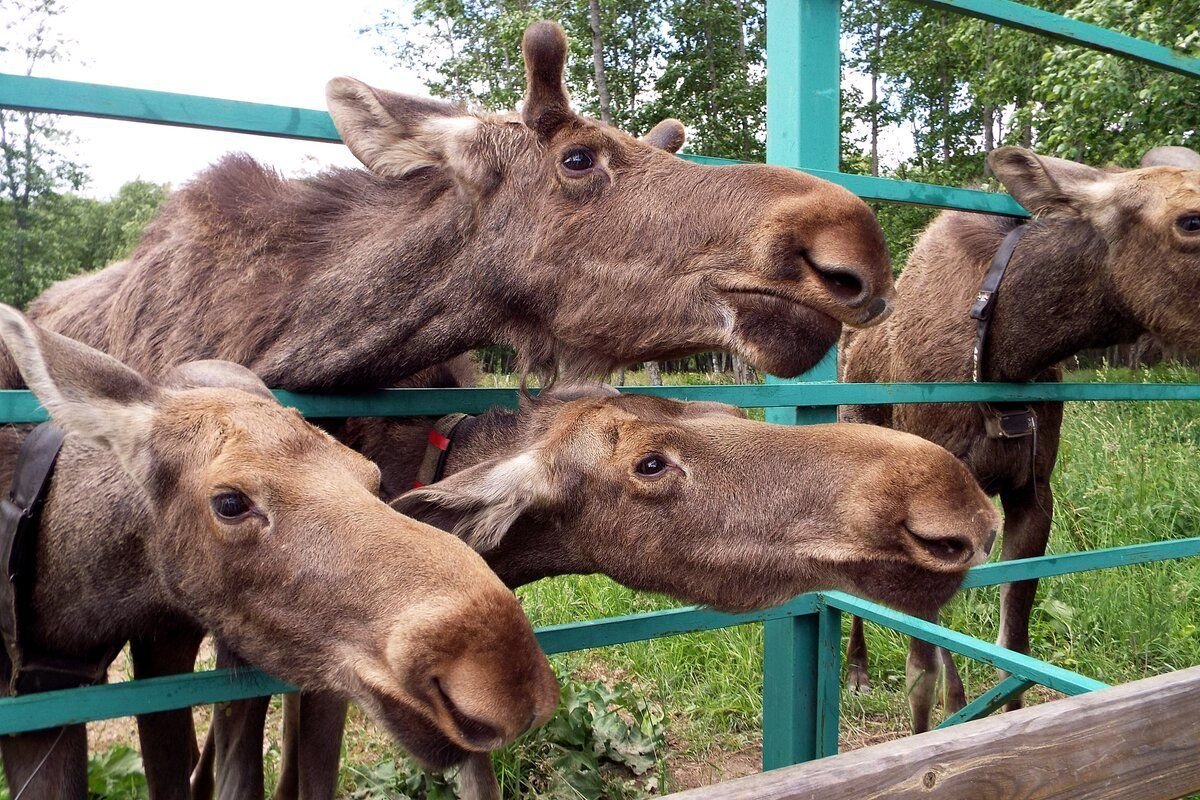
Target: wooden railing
x,y
1137,741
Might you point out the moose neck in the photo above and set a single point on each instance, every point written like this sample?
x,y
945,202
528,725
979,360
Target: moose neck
x,y
338,282
400,287
537,547
1053,302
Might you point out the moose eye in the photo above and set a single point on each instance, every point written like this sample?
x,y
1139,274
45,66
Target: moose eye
x,y
651,466
579,159
1189,223
231,505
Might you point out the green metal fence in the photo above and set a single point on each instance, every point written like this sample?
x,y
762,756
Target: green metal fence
x,y
802,638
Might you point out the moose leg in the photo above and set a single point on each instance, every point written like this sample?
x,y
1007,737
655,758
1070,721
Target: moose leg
x,y
478,778
168,739
954,695
313,723
48,764
921,672
856,658
237,738
1028,512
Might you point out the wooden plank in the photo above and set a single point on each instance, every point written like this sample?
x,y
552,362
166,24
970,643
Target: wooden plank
x,y
1138,741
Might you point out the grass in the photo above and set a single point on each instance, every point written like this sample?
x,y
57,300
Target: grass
x,y
1127,473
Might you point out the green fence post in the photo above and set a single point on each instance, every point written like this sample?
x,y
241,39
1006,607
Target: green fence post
x,y
829,679
800,693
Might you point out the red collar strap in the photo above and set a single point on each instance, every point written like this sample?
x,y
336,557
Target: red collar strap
x,y
440,442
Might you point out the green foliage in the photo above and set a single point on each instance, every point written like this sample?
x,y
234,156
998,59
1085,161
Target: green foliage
x,y
116,774
701,62
59,235
601,743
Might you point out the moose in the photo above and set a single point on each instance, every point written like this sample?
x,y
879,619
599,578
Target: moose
x,y
1108,255
689,499
553,233
217,503
467,229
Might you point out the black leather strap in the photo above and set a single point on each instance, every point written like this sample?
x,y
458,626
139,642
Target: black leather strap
x,y
985,300
20,514
441,440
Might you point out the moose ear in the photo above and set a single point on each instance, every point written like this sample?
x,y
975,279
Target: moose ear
x,y
546,106
1184,157
394,134
217,374
88,394
667,135
481,503
1046,185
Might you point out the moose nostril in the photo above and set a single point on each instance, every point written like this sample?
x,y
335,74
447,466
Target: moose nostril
x,y
951,549
476,733
845,286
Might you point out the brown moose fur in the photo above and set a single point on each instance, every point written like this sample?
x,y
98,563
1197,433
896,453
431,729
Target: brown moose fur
x,y
747,515
468,229
1107,257
312,577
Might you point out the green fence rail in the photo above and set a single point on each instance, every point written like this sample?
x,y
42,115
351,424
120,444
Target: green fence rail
x,y
802,637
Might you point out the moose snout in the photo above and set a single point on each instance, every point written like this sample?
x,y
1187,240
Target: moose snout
x,y
854,289
950,550
476,670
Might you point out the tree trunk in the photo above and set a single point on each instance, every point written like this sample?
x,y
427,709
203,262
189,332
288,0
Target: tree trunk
x,y
742,372
598,61
653,375
944,100
875,48
989,110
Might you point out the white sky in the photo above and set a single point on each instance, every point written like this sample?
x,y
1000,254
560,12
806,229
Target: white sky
x,y
259,50
268,51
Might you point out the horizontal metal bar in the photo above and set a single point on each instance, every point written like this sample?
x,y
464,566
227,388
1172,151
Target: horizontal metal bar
x,y
1023,666
129,698
1072,31
164,108
168,108
892,190
1067,563
50,709
639,627
19,405
989,701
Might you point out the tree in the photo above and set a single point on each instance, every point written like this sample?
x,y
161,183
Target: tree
x,y
34,156
714,76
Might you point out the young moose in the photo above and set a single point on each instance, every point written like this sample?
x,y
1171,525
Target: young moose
x,y
1109,255
690,499
230,510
